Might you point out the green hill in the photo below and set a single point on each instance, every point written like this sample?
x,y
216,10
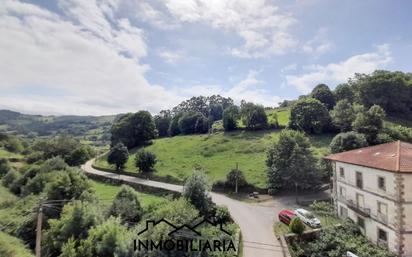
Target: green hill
x,y
216,154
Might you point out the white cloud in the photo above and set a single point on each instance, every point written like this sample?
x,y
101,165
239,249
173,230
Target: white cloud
x,y
340,72
87,54
170,57
319,44
248,89
263,28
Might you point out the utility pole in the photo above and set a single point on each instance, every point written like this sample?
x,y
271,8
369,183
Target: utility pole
x,y
38,229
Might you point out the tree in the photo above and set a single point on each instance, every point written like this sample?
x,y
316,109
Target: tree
x,y
202,104
291,163
126,205
343,115
174,125
253,116
68,185
145,160
309,115
344,92
75,221
322,93
216,111
236,179
196,191
118,156
230,118
4,166
79,156
162,122
347,141
191,123
133,129
370,123
296,226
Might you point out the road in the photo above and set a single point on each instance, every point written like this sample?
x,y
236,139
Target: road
x,y
255,221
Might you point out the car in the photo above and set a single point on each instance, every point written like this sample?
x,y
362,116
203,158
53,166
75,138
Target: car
x,y
308,218
286,216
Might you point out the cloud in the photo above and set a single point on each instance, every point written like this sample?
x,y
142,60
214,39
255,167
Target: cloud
x,y
249,89
340,72
86,53
319,44
259,23
170,57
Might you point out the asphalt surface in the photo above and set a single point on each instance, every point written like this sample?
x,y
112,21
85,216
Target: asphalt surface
x,y
255,221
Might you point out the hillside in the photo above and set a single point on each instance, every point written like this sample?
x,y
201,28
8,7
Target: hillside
x,y
216,154
94,129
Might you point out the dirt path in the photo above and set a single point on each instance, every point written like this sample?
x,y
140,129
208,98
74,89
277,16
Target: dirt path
x,y
255,221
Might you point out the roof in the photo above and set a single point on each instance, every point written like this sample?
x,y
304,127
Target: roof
x,y
394,156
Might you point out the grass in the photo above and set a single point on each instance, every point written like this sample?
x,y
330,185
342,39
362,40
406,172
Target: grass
x,y
283,115
6,154
13,247
216,154
107,192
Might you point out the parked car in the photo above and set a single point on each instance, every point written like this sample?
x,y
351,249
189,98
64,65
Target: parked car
x,y
286,216
308,218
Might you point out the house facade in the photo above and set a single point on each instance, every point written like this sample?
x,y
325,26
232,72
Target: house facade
x,y
373,187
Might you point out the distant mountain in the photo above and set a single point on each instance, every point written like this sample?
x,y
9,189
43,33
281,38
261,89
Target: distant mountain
x,y
93,128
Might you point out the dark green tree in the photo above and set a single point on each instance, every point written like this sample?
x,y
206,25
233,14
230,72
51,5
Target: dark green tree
x,y
347,141
145,160
370,123
343,115
133,129
4,166
174,125
118,156
230,118
322,93
309,115
191,123
253,116
79,156
344,92
291,163
236,179
162,122
126,205
68,185
216,111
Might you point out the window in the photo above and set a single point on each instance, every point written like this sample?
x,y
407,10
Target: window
x,y
360,201
342,192
341,172
361,222
343,212
382,235
383,212
359,179
382,183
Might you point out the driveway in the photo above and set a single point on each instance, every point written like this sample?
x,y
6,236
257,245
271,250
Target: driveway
x,y
255,220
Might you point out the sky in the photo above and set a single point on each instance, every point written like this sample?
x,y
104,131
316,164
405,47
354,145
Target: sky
x,y
98,57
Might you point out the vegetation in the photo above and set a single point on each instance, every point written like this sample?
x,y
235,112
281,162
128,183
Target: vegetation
x,y
296,226
236,179
322,93
145,160
118,156
309,115
343,114
196,191
347,141
126,205
13,247
291,163
370,123
230,118
253,116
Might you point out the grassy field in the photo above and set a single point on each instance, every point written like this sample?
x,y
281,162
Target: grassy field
x,y
13,247
6,154
283,115
107,192
216,154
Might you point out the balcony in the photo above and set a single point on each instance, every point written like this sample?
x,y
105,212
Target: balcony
x,y
365,212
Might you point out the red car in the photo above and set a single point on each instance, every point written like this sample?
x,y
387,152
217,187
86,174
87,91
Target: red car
x,y
286,216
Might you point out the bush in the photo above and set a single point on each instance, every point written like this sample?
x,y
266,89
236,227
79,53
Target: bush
x,y
222,215
230,118
296,226
68,185
126,205
118,156
253,116
196,191
236,179
4,167
347,141
10,177
145,160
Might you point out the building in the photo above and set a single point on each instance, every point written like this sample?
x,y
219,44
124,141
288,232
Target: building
x,y
373,187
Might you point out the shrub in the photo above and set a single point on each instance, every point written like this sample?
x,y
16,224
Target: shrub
x,y
126,205
4,167
10,177
230,117
296,226
196,191
253,116
236,179
222,214
118,156
145,160
347,141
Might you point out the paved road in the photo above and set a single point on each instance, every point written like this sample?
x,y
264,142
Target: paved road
x,y
255,221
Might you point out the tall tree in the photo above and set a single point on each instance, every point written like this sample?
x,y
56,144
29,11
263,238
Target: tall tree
x,y
126,205
347,141
133,129
370,123
253,116
216,111
145,160
196,191
191,123
309,115
162,122
291,163
343,115
344,92
230,118
118,156
322,93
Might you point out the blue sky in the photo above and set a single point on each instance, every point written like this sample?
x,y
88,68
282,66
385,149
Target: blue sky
x,y
112,56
